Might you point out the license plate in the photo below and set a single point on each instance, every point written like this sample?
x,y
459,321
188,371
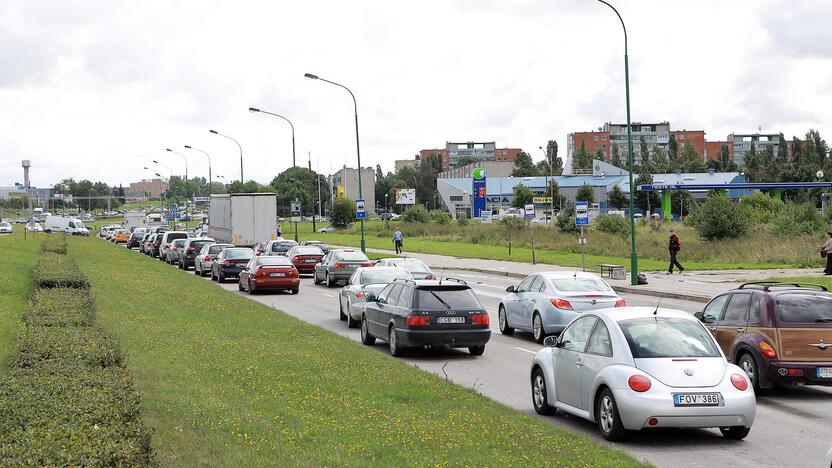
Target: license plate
x,y
275,275
310,260
696,399
450,320
825,372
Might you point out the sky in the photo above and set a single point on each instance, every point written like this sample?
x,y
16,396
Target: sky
x,y
97,90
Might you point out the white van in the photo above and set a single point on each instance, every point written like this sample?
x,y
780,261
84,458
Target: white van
x,y
72,226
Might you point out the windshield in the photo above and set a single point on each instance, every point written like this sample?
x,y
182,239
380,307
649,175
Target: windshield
x,y
199,244
355,256
5,225
667,337
177,235
238,254
804,308
376,276
217,249
308,251
413,266
283,246
578,284
439,297
274,261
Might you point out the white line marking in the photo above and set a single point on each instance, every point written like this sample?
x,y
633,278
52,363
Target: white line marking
x,y
524,350
327,295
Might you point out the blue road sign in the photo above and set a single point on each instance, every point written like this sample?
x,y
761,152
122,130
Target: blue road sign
x,y
360,212
581,213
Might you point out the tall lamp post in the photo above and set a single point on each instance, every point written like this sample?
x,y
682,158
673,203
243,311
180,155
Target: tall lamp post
x,y
238,146
169,187
633,252
184,158
210,180
357,145
549,185
256,110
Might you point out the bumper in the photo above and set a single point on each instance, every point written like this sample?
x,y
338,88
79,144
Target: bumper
x,y
555,320
305,268
340,274
737,408
451,338
276,283
229,271
774,370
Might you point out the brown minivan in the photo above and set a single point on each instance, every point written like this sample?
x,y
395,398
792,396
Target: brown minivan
x,y
776,332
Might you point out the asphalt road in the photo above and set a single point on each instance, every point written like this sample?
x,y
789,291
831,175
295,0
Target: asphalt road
x,y
793,425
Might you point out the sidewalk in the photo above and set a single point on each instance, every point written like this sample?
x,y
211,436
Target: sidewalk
x,y
697,286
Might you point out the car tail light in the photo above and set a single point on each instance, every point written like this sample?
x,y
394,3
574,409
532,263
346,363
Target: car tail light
x,y
208,258
340,265
794,372
767,350
366,264
228,262
653,421
639,383
620,303
479,319
191,249
561,303
418,320
739,382
259,273
359,295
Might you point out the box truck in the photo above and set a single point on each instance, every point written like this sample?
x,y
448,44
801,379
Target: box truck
x,y
243,219
133,219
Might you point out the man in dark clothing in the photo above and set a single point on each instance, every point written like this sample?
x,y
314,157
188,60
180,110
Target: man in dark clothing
x,y
674,247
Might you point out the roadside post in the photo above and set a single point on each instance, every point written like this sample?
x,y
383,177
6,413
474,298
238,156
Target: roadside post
x,y
295,208
528,214
581,220
361,215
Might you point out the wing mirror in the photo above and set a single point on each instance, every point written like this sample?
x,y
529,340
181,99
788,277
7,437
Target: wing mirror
x,y
510,289
370,298
550,341
701,316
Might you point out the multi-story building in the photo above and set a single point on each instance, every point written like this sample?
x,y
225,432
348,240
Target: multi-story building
x,y
740,144
492,169
345,183
400,164
147,188
481,151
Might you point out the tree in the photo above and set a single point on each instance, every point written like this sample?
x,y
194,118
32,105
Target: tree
x,y
682,203
582,159
522,196
465,160
542,167
523,165
643,200
616,156
553,190
690,160
343,212
585,193
724,158
617,198
672,148
299,183
797,151
719,218
379,174
552,158
599,155
645,155
659,160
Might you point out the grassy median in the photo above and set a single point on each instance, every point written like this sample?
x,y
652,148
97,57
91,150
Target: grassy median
x,y
17,259
228,381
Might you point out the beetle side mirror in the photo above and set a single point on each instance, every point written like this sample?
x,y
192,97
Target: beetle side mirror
x,y
701,316
550,341
510,289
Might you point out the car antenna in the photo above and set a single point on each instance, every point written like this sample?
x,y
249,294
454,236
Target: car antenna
x,y
658,305
442,275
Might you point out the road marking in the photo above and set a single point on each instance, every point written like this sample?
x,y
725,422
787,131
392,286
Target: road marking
x,y
524,350
327,295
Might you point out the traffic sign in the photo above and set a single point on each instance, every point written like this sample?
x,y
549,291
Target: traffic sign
x,y
360,212
528,211
295,207
581,213
542,200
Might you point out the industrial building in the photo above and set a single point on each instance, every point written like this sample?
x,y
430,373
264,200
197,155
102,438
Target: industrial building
x,y
481,151
345,183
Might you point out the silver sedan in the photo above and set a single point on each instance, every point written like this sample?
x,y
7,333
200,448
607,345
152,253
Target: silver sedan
x,y
545,302
365,281
638,367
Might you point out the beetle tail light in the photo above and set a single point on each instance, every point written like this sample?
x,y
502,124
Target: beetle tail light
x,y
739,382
620,303
639,383
359,295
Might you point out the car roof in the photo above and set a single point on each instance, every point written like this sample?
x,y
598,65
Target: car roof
x,y
383,268
446,282
567,274
618,314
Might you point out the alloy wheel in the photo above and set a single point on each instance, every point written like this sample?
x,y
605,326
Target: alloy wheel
x,y
537,327
538,390
501,317
607,414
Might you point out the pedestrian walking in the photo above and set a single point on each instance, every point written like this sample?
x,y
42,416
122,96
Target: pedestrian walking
x,y
279,231
826,251
398,237
674,246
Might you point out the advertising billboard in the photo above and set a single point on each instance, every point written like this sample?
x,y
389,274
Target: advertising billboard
x,y
478,192
405,196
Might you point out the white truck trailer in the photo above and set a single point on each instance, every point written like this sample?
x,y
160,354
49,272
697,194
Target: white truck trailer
x,y
243,219
133,219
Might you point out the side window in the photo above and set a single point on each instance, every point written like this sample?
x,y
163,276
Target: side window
x,y
535,287
72,225
542,287
600,342
714,309
756,308
382,296
393,297
576,336
526,284
737,310
405,296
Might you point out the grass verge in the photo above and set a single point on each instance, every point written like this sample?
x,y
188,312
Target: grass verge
x,y
17,259
233,381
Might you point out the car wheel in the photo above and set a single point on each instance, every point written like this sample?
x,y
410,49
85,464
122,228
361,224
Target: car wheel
x,y
503,320
749,365
393,342
537,328
540,400
295,290
476,350
735,432
213,276
329,282
196,271
220,278
240,286
341,314
366,338
609,421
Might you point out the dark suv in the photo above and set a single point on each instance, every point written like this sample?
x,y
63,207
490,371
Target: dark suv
x,y
776,332
426,313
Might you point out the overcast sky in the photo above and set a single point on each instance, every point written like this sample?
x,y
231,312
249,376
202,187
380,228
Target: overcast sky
x,y
97,89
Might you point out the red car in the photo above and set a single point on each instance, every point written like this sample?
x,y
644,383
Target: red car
x,y
269,272
305,257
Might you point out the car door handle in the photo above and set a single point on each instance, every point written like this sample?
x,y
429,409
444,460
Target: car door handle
x,y
579,362
713,329
741,329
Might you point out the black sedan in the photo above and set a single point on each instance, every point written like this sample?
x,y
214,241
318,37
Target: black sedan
x,y
230,262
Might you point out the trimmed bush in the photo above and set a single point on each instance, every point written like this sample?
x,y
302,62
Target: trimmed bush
x,y
719,218
612,224
416,214
58,271
59,415
66,346
60,307
55,243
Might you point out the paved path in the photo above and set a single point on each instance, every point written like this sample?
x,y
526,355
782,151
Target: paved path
x,y
697,286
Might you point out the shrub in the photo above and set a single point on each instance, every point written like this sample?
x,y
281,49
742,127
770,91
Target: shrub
x,y
55,243
440,217
719,218
59,415
514,224
612,224
566,220
416,214
61,307
462,219
761,208
58,271
796,219
66,346
343,213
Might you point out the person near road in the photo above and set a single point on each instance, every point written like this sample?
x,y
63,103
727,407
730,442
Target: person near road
x,y
279,231
398,237
674,246
826,251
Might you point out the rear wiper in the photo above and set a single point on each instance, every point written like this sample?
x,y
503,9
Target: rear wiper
x,y
440,300
823,320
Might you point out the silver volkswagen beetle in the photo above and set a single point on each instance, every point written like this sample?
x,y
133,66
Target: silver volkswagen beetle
x,y
365,281
545,302
639,367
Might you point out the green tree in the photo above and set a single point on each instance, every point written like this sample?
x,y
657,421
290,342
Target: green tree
x,y
659,160
299,183
582,159
719,218
343,212
617,198
465,160
724,158
672,148
522,196
616,157
542,167
523,165
553,191
585,193
690,160
416,214
552,158
645,155
646,201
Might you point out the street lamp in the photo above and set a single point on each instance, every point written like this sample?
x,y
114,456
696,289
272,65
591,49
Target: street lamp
x,y
184,158
238,146
549,185
256,110
633,252
209,165
357,145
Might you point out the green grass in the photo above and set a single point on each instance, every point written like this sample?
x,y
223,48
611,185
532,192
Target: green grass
x,y
821,280
229,381
17,259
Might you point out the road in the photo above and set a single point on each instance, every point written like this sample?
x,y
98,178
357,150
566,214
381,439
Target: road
x,y
792,427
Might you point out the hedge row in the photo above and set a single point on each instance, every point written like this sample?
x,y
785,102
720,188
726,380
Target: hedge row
x,y
67,399
58,271
55,243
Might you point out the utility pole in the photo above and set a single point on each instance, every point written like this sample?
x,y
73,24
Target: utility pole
x,y
314,226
